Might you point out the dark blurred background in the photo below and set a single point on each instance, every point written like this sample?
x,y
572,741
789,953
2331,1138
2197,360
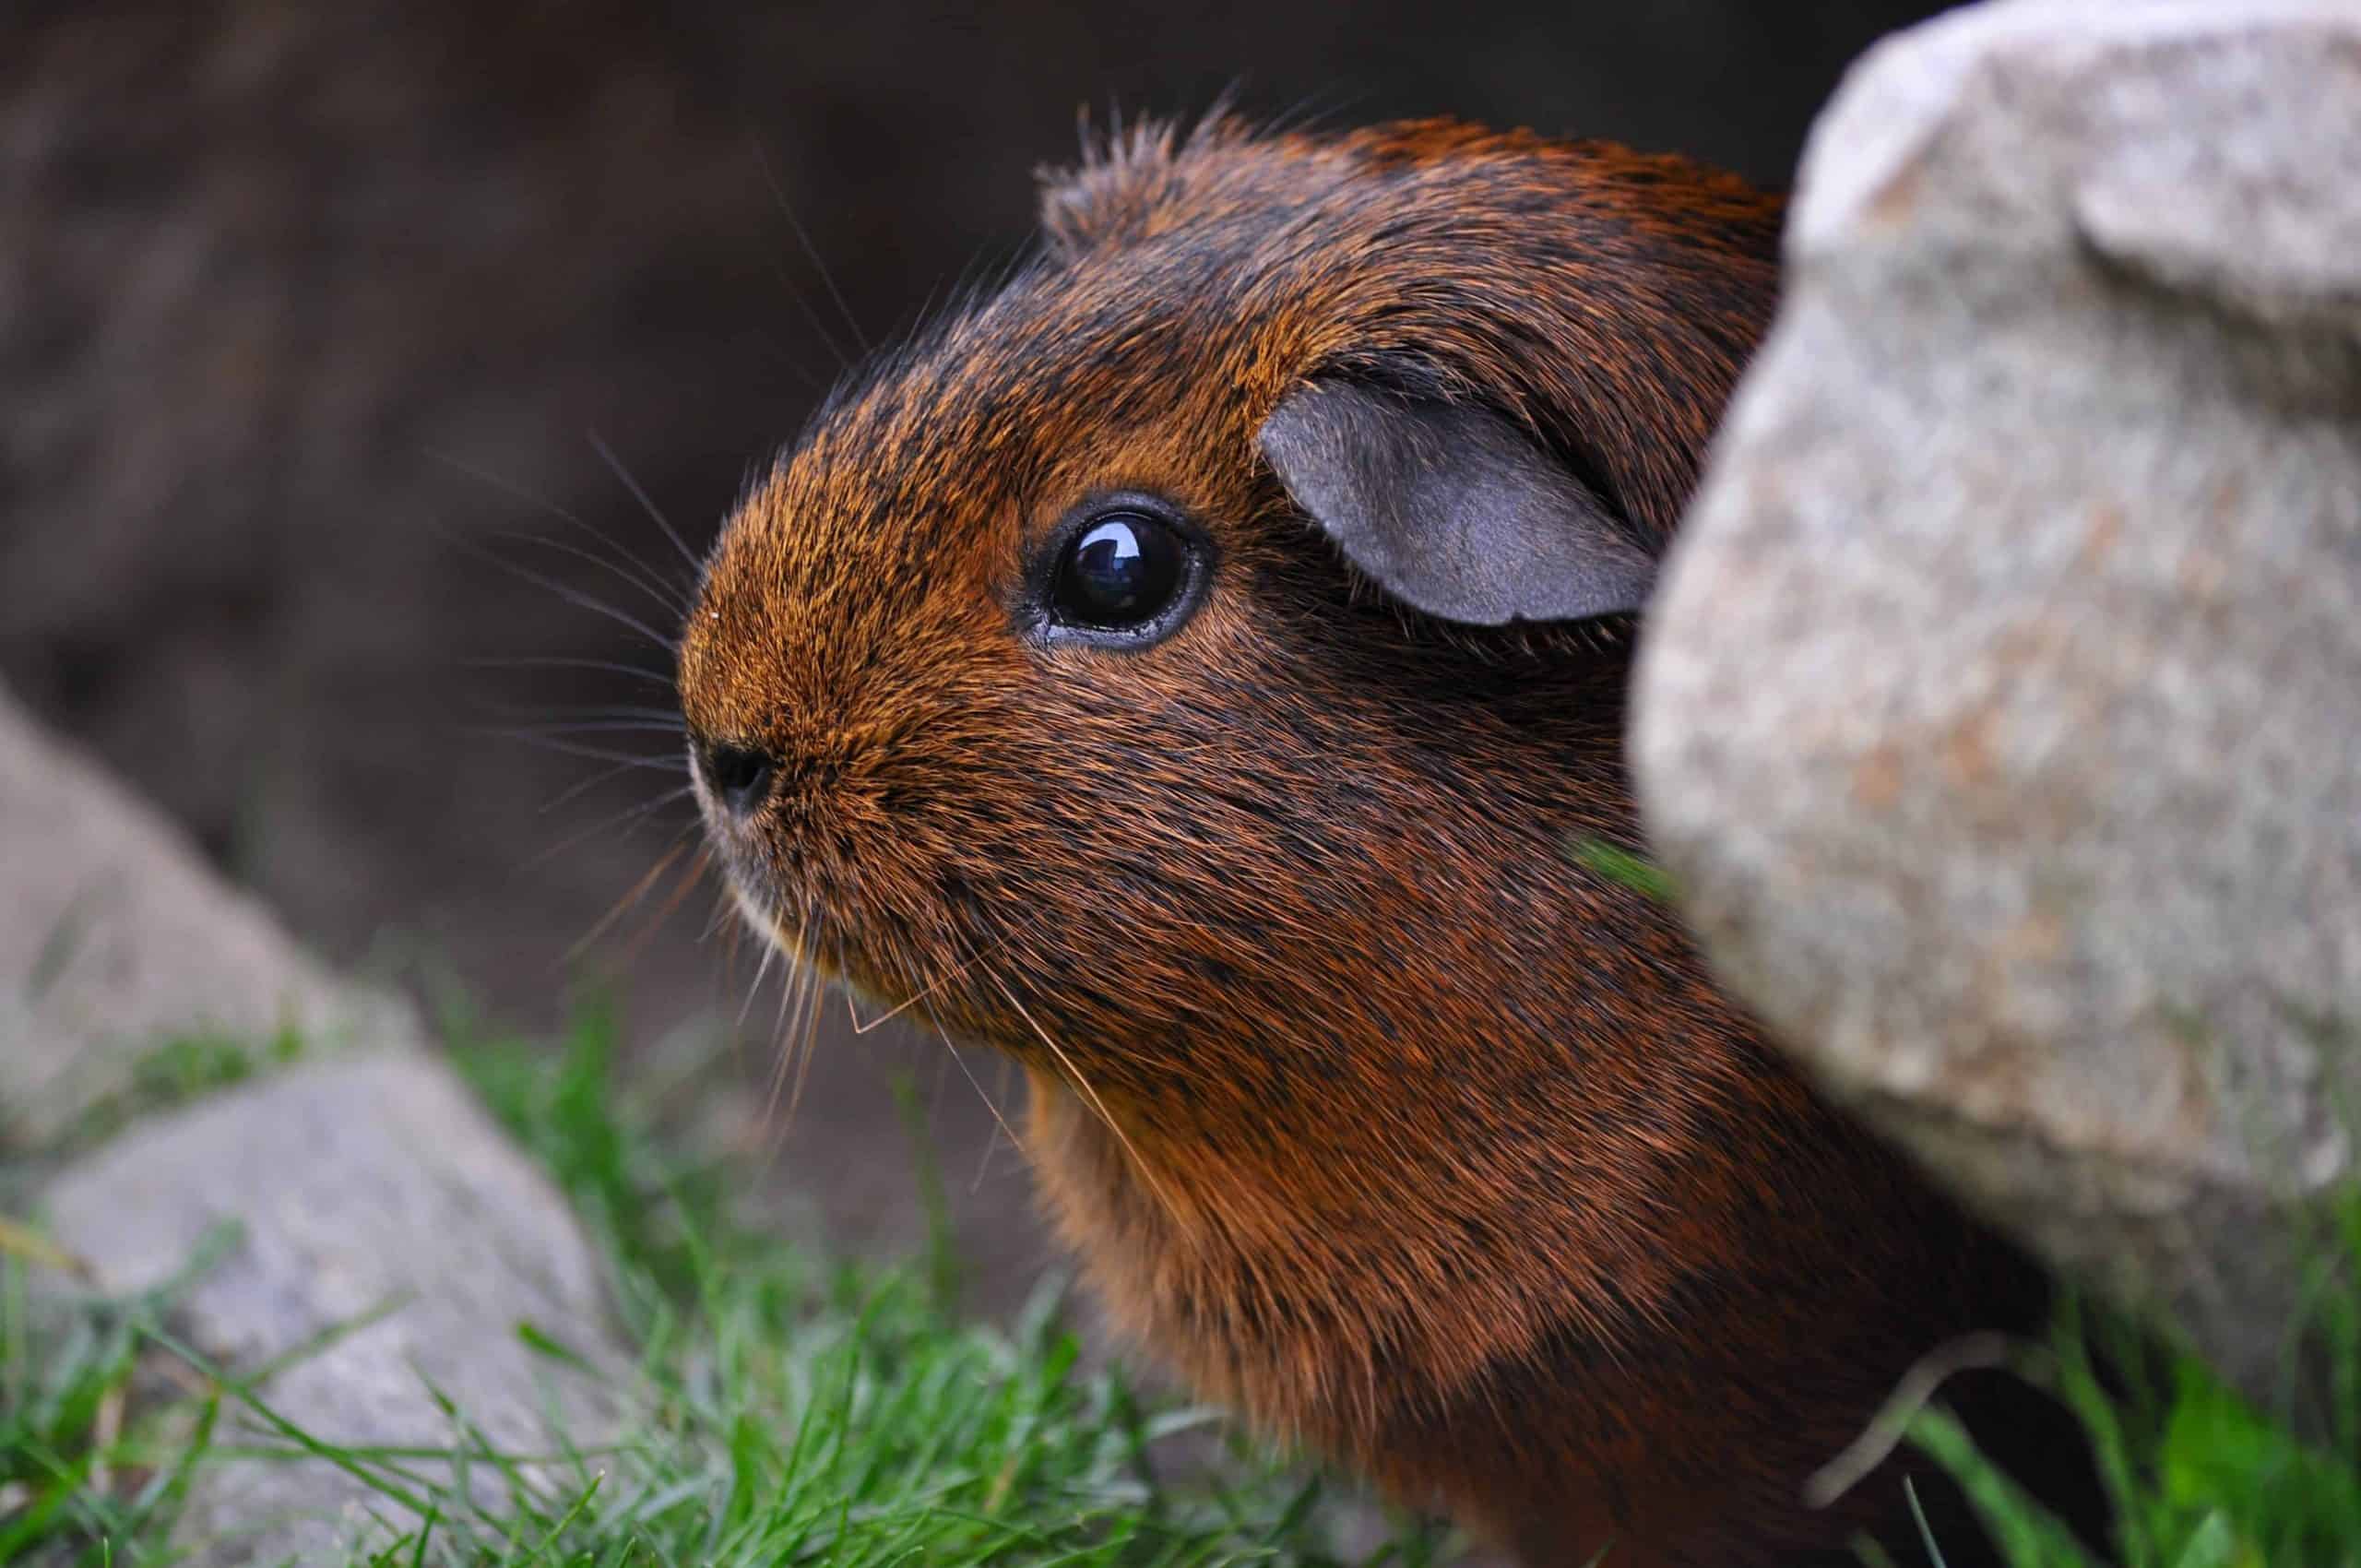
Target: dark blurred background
x,y
305,307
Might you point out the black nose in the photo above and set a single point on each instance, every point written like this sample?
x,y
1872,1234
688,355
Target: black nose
x,y
738,776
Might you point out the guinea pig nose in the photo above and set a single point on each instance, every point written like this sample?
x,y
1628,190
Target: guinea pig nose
x,y
738,776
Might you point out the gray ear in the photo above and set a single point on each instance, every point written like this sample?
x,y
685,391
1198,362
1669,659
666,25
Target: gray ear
x,y
1453,509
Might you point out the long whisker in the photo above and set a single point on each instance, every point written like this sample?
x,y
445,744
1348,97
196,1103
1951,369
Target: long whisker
x,y
698,866
789,990
564,590
762,972
663,593
534,712
649,506
951,1047
582,786
624,819
779,350
803,1052
727,915
580,599
810,251
812,318
674,594
859,1027
581,727
610,666
638,891
728,943
528,721
998,1120
991,1144
983,1166
667,763
726,905
1090,1095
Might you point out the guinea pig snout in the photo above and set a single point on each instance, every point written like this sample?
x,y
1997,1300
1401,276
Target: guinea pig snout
x,y
745,780
739,778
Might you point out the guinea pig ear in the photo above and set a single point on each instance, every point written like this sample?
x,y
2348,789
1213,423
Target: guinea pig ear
x,y
1453,509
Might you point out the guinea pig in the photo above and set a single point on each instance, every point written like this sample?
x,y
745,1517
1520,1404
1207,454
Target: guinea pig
x,y
1195,668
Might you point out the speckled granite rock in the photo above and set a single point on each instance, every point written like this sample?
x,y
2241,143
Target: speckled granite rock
x,y
2001,714
114,937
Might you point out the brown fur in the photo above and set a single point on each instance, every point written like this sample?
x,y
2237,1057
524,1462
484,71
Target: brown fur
x,y
1363,1102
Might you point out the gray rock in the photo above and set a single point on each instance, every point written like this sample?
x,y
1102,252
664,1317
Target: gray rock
x,y
2001,715
370,1190
115,937
368,1184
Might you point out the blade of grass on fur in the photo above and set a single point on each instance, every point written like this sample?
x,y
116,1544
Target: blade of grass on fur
x,y
1621,865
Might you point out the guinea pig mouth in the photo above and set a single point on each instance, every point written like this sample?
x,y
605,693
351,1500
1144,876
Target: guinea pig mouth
x,y
804,944
796,939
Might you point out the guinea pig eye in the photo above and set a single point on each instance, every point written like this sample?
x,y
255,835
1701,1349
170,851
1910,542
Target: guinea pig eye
x,y
1123,571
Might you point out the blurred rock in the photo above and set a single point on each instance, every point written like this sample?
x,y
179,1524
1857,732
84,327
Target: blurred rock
x,y
115,939
2000,716
369,1183
373,1185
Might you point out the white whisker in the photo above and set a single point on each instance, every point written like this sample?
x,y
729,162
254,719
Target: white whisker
x,y
1091,1097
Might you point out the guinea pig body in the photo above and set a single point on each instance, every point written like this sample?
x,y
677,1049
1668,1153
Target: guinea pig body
x,y
1071,677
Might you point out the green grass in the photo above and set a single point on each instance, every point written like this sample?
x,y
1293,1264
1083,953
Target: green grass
x,y
791,1409
1622,866
794,1409
2199,1476
177,1072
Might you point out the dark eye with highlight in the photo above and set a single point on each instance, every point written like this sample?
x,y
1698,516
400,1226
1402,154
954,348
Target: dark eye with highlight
x,y
1124,572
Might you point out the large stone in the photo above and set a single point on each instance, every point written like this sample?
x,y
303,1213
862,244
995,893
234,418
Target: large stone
x,y
370,1191
115,937
2001,715
365,1184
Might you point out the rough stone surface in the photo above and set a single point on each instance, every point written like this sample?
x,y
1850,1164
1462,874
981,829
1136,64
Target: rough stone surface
x,y
369,1183
374,1184
114,937
2001,715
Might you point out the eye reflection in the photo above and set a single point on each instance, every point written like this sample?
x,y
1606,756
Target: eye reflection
x,y
1120,572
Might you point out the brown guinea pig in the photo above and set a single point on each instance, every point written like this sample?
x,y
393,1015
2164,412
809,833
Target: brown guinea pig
x,y
1193,670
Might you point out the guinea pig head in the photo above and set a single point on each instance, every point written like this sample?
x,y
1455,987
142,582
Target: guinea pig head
x,y
1195,667
1159,625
